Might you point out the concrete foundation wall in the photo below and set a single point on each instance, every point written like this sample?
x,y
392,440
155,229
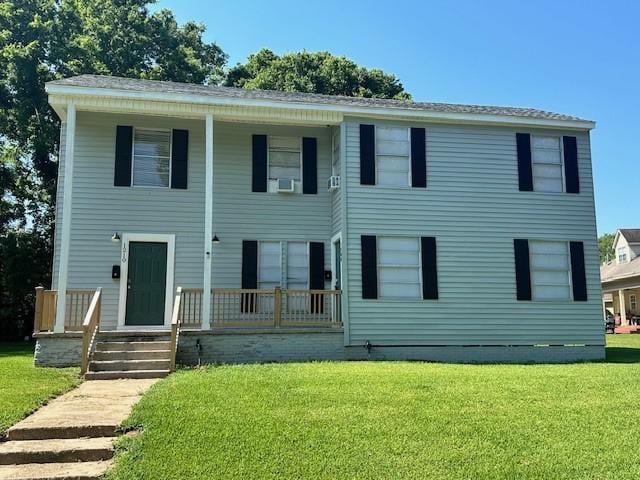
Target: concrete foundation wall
x,y
58,351
262,347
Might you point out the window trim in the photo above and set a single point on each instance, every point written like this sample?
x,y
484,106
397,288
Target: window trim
x,y
633,302
622,252
300,162
569,271
377,169
279,242
563,179
133,156
419,267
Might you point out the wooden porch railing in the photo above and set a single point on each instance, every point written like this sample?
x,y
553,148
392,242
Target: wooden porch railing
x,y
175,328
237,307
78,303
90,327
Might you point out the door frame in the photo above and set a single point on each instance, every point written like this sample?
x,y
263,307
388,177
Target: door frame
x,y
334,239
170,240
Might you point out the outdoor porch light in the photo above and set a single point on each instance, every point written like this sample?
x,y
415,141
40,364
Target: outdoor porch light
x,y
115,237
215,240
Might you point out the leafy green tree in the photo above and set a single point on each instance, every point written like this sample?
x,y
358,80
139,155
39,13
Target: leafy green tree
x,y
314,72
605,246
43,40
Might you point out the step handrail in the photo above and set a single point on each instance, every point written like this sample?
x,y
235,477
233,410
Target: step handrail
x,y
175,328
90,328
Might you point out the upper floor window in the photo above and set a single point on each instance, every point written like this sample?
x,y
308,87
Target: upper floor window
x,y
393,156
546,159
622,254
151,163
399,267
550,271
285,158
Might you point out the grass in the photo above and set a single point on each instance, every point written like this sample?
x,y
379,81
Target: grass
x,y
23,387
392,420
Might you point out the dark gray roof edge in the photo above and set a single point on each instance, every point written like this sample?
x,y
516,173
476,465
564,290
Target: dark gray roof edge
x,y
632,235
157,86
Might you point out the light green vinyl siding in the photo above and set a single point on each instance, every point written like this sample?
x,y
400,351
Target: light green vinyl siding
x,y
474,209
100,209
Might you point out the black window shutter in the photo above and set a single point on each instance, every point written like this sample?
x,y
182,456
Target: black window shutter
x,y
124,150
369,266
249,275
429,268
259,169
572,179
367,155
179,159
578,276
316,275
525,172
249,264
316,266
523,269
418,158
309,165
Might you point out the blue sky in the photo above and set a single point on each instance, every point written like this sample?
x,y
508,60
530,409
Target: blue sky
x,y
576,57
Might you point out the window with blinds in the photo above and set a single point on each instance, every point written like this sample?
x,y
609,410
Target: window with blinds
x,y
546,160
298,265
151,157
285,158
269,264
393,150
399,267
550,270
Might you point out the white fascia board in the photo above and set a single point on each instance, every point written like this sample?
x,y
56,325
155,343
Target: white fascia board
x,y
354,110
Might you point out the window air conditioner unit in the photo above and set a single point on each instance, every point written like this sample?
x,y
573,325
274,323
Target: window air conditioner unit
x,y
286,185
333,183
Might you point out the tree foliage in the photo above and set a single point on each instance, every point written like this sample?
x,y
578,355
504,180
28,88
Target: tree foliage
x,y
314,72
605,247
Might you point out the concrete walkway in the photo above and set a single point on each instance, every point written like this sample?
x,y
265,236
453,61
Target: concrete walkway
x,y
72,436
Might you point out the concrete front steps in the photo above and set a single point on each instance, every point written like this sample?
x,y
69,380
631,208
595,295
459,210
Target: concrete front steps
x,y
47,456
130,355
72,436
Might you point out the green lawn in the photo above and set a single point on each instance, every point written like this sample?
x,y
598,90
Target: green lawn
x,y
23,387
399,420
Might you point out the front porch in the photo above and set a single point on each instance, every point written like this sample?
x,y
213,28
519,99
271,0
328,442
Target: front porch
x,y
268,316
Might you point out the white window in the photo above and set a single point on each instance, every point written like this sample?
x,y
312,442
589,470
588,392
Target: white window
x,y
633,302
269,264
550,271
622,254
546,158
393,156
285,158
151,157
297,265
399,267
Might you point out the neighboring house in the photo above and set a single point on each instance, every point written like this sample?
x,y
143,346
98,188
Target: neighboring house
x,y
621,277
324,227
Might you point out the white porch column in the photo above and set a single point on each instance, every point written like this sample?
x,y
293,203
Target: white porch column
x,y
65,228
623,313
208,223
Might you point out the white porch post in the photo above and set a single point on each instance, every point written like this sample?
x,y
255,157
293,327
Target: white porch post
x,y
623,313
65,228
208,223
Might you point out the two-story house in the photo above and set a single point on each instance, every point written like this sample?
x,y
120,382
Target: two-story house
x,y
273,226
620,277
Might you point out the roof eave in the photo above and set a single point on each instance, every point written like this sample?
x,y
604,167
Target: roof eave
x,y
351,110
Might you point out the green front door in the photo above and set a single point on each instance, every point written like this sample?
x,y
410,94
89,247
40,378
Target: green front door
x,y
146,283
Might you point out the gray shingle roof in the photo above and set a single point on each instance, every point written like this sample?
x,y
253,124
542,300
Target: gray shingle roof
x,y
614,271
98,81
632,235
